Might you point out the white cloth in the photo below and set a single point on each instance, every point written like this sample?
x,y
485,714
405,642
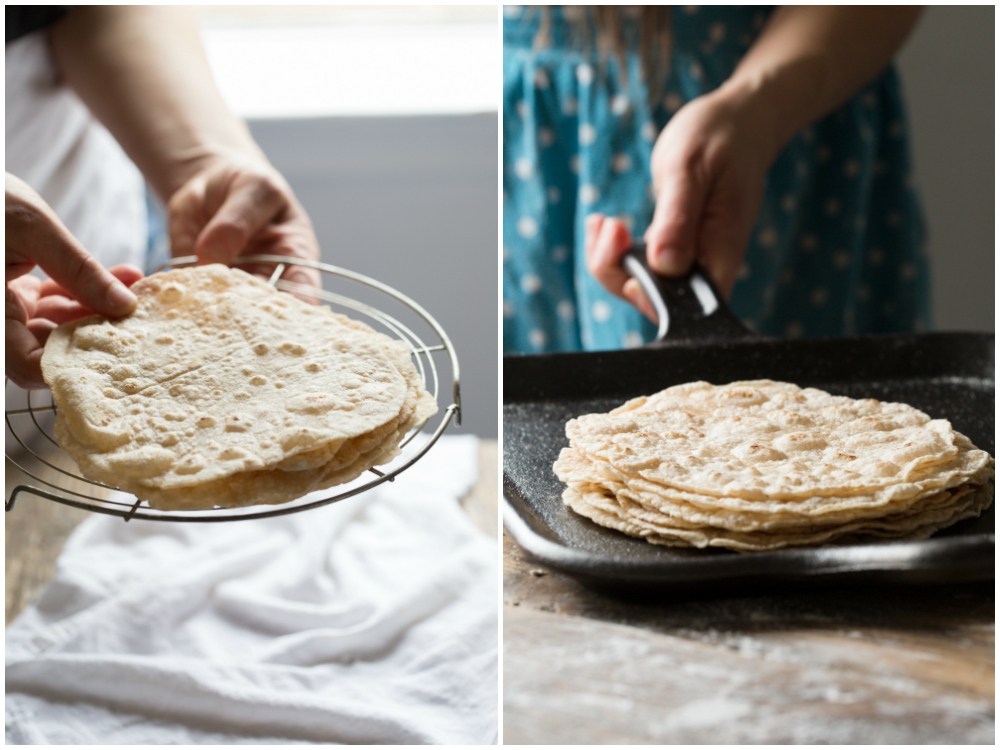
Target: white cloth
x,y
372,620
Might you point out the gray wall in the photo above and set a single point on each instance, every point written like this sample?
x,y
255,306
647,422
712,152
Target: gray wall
x,y
948,76
412,202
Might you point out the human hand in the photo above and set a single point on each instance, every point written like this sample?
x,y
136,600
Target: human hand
x,y
79,285
237,206
709,167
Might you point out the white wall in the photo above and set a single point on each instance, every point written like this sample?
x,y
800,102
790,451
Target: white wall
x,y
948,77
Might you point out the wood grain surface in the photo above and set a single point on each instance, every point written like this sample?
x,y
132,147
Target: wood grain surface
x,y
36,529
865,666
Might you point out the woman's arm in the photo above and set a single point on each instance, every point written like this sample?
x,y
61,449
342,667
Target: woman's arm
x,y
143,72
710,163
809,60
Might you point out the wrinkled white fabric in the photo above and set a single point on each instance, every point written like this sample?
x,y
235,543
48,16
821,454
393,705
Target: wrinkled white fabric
x,y
373,620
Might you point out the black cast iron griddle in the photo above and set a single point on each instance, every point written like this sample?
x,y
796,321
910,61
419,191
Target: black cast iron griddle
x,y
946,375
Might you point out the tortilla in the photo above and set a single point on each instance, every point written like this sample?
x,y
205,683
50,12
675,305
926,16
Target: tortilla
x,y
757,465
221,390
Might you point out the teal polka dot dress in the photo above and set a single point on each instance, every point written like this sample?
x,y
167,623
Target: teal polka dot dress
x,y
838,245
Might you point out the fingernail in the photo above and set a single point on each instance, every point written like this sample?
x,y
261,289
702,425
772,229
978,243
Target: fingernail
x,y
669,261
121,298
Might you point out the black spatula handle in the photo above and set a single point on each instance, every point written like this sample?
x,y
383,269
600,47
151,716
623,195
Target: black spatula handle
x,y
686,308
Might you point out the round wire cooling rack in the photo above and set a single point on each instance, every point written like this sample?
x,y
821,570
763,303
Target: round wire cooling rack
x,y
33,450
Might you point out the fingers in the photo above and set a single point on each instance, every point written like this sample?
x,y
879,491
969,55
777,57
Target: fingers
x,y
672,237
36,236
634,294
22,350
606,240
246,209
55,303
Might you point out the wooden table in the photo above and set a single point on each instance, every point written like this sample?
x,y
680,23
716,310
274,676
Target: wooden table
x,y
872,666
36,529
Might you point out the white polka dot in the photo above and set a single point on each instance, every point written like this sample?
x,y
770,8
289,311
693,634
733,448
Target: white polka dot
x,y
541,79
512,11
852,168
691,9
584,74
569,105
530,283
601,311
649,131
566,310
672,102
508,309
538,338
559,253
546,137
866,133
788,203
831,207
842,259
527,227
621,162
574,12
523,168
869,99
522,109
794,330
627,220
809,243
588,134
631,340
589,194
819,296
801,169
620,104
574,164
553,195
696,71
767,237
908,272
876,256
743,272
717,32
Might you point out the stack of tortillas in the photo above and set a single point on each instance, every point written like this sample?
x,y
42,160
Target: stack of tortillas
x,y
222,391
761,465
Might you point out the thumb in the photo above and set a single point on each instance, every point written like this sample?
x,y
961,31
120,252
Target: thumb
x,y
64,259
36,236
672,236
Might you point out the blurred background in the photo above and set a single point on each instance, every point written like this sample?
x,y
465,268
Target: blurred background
x,y
384,121
949,82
